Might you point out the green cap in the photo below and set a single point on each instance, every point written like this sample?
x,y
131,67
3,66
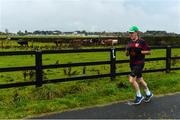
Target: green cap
x,y
133,29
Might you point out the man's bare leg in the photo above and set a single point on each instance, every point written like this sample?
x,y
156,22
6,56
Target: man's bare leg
x,y
144,85
135,85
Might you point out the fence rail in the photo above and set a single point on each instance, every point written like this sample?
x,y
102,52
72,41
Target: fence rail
x,y
39,67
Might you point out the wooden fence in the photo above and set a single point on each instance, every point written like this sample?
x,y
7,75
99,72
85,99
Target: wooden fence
x,y
39,67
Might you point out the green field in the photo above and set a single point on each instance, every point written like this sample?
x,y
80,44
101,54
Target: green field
x,y
28,101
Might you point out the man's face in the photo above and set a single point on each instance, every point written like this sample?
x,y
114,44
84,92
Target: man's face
x,y
133,35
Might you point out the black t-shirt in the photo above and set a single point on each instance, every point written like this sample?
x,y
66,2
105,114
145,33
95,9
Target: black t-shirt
x,y
136,46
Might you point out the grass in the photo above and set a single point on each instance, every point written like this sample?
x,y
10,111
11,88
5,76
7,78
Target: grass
x,y
29,101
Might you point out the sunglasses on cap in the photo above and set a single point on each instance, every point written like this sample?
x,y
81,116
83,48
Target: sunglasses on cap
x,y
131,32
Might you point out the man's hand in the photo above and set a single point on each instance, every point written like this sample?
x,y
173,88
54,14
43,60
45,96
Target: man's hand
x,y
132,53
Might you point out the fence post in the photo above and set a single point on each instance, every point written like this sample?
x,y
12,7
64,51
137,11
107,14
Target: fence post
x,y
39,72
168,59
113,63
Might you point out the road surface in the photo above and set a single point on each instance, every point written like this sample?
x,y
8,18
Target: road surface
x,y
166,107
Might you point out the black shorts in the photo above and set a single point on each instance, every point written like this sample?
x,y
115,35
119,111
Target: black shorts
x,y
136,70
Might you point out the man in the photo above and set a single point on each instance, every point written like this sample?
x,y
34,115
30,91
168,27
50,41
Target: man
x,y
137,48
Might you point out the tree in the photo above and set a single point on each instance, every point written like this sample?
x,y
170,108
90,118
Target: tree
x,y
20,32
6,31
25,32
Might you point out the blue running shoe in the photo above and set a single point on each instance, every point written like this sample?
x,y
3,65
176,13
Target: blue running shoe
x,y
148,97
138,100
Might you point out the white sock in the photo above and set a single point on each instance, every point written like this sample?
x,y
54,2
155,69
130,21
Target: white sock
x,y
138,93
147,91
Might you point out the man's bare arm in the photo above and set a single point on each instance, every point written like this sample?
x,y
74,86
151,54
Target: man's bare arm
x,y
146,52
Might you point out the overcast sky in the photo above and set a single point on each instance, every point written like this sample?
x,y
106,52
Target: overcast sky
x,y
89,15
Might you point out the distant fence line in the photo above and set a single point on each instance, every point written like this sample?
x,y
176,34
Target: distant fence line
x,y
152,40
39,81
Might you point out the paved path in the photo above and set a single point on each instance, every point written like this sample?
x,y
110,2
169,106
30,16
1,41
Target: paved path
x,y
160,107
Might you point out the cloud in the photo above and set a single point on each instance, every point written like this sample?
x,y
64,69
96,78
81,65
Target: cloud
x,y
90,15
